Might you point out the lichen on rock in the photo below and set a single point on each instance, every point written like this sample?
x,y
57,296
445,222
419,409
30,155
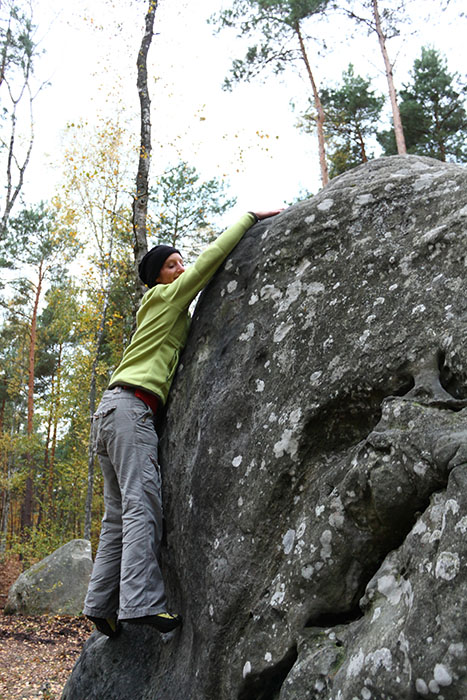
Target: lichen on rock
x,y
314,460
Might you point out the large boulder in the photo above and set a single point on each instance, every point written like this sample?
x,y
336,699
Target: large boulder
x,y
56,584
314,459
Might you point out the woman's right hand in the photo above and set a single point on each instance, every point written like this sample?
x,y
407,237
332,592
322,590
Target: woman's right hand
x,y
267,214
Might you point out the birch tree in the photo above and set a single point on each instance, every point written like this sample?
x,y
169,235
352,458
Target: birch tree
x,y
140,199
18,90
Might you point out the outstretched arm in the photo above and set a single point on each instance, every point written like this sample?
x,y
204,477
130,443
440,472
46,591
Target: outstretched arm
x,y
184,289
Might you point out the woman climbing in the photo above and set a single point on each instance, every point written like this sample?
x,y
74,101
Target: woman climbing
x,y
126,582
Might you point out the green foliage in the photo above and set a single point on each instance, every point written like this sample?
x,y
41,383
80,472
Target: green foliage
x,y
16,39
433,113
352,111
274,23
38,543
184,208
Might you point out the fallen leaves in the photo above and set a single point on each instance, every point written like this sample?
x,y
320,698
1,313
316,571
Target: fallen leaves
x,y
37,654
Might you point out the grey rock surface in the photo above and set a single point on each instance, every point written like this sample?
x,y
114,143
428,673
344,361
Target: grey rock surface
x,y
314,458
56,584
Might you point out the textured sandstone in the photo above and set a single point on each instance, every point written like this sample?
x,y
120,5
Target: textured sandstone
x,y
314,459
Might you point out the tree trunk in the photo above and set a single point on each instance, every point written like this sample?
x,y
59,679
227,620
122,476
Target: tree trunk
x,y
27,506
361,145
320,117
396,117
140,200
54,431
92,402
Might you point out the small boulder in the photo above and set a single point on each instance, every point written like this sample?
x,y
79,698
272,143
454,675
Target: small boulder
x,y
56,584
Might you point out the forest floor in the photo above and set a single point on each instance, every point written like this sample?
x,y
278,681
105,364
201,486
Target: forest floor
x,y
37,653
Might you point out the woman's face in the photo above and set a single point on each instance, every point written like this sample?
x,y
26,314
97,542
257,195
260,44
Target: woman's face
x,y
171,269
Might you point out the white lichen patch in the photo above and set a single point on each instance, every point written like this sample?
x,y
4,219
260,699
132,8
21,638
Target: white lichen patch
x,y
355,664
268,657
389,587
281,332
462,525
259,385
325,205
246,669
277,599
253,299
293,292
421,687
420,468
304,265
380,657
295,416
363,199
419,528
315,377
248,332
314,288
232,286
447,565
336,519
287,444
236,462
307,572
326,549
288,541
442,675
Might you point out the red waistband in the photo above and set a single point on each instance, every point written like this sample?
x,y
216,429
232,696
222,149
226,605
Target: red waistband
x,y
149,399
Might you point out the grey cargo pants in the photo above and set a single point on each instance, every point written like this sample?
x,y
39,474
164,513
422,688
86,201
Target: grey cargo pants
x,y
126,576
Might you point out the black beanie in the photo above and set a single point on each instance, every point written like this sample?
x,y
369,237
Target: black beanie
x,y
151,264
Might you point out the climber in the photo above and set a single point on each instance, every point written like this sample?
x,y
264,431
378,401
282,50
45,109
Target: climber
x,y
126,582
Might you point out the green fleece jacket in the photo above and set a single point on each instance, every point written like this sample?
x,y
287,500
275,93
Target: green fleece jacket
x,y
162,321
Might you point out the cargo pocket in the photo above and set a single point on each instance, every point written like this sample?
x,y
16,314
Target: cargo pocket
x,y
98,427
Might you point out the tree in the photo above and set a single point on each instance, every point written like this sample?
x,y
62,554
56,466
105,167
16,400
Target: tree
x,y
56,334
384,23
140,199
352,111
185,208
18,51
281,22
94,192
38,242
432,110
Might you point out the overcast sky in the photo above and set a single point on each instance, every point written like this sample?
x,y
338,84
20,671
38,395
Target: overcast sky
x,y
247,136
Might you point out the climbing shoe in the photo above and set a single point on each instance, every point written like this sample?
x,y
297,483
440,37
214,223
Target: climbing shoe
x,y
163,622
107,625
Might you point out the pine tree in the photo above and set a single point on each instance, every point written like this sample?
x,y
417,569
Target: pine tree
x,y
433,111
278,26
184,208
352,111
